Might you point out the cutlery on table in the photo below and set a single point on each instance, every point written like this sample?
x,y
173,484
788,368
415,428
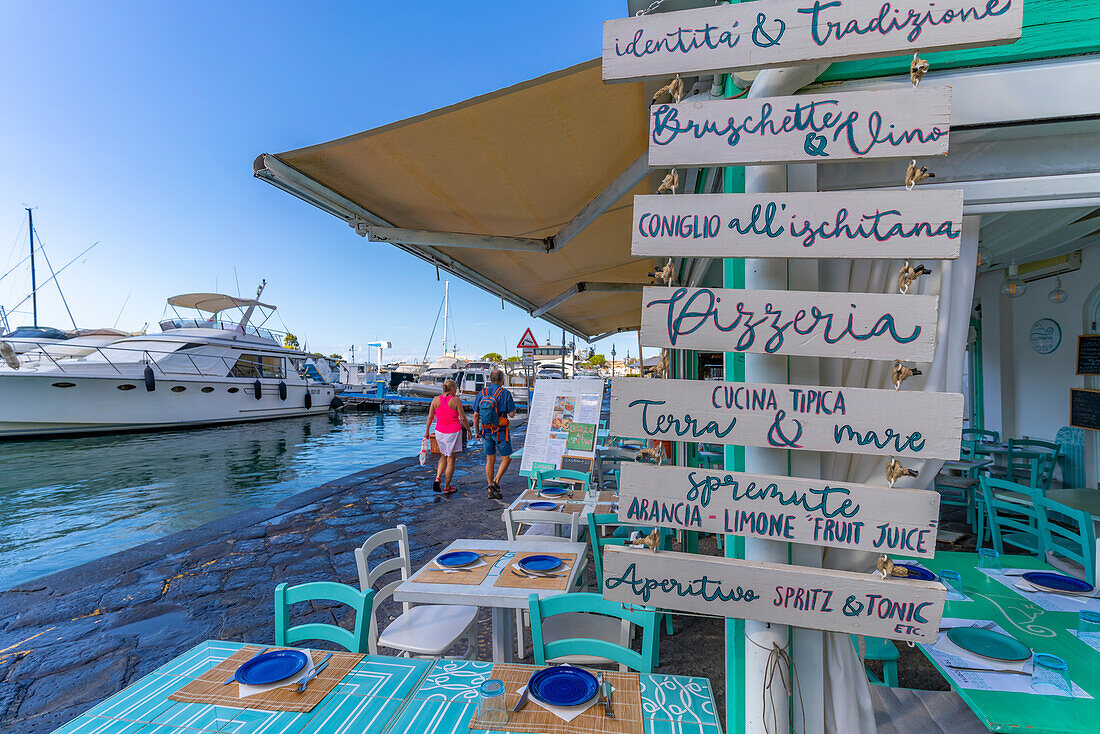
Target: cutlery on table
x,y
234,676
990,670
538,576
320,666
522,700
607,710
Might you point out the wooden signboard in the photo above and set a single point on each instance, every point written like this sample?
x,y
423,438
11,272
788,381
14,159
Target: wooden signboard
x,y
786,32
844,224
837,601
810,128
1084,409
1088,354
808,323
812,511
922,425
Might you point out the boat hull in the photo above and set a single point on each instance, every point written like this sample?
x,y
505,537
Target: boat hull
x,y
58,404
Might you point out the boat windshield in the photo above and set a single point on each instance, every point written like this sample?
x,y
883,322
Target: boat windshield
x,y
170,324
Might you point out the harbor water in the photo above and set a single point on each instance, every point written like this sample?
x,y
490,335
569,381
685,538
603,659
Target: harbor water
x,y
71,500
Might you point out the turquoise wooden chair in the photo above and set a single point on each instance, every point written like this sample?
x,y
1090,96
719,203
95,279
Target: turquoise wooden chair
x,y
357,640
883,651
586,629
1014,513
980,434
566,476
596,523
1070,534
1031,461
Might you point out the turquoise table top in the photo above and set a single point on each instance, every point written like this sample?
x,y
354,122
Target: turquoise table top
x,y
1039,629
380,695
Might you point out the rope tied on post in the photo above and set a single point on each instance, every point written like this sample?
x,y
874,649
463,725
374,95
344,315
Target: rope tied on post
x,y
778,657
651,541
914,175
895,471
670,183
900,373
918,67
908,274
674,89
664,275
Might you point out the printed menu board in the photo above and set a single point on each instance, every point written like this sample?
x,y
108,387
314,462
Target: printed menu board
x,y
561,425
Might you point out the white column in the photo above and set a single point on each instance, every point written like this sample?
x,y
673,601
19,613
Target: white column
x,y
774,716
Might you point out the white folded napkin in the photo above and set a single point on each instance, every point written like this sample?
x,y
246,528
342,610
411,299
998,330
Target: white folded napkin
x,y
244,690
566,713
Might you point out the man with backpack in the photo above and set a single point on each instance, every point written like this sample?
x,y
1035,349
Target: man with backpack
x,y
492,409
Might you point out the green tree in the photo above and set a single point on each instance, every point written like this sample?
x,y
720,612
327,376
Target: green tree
x,y
597,360
493,357
513,358
337,357
290,341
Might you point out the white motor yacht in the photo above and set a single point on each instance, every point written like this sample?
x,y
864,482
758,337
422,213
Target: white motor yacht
x,y
197,371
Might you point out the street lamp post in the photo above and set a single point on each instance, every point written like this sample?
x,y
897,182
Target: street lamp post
x,y
612,360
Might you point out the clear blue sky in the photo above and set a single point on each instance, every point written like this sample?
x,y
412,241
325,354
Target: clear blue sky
x,y
136,123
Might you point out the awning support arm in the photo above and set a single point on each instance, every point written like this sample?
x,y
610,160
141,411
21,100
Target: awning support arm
x,y
617,189
397,235
583,286
606,334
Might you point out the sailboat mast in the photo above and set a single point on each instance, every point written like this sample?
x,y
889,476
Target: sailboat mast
x,y
446,307
34,288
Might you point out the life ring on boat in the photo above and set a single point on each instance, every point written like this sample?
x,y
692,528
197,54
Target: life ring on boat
x,y
150,379
9,355
282,391
257,389
309,400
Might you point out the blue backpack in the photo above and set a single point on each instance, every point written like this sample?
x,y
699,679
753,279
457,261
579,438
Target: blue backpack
x,y
487,411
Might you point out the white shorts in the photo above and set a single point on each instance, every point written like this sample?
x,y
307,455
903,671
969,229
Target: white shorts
x,y
449,443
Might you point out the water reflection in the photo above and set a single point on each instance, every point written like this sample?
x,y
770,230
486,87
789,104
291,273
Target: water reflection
x,y
67,501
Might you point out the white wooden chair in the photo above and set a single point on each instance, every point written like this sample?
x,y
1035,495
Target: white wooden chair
x,y
428,630
543,525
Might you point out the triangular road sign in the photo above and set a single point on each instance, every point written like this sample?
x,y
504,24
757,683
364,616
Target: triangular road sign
x,y
528,341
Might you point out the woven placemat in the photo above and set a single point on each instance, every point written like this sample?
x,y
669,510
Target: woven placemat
x,y
432,575
509,580
208,688
626,701
605,497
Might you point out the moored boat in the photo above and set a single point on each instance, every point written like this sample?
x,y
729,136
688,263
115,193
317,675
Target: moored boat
x,y
197,371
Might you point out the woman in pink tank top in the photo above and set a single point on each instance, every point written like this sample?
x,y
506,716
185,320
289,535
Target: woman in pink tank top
x,y
450,422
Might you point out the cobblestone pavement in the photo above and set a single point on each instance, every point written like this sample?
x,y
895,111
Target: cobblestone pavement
x,y
73,638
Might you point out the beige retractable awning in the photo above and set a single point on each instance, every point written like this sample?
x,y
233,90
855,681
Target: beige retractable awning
x,y
532,163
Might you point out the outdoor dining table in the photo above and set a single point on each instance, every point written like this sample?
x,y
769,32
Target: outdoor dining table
x,y
381,694
1020,616
502,600
585,503
1081,498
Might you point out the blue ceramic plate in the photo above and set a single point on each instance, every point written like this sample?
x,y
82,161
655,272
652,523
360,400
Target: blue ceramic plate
x,y
540,563
1057,582
554,491
989,644
563,686
916,572
271,667
455,559
542,506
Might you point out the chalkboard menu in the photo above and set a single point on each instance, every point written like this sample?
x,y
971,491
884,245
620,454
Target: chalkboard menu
x,y
1088,354
1084,409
